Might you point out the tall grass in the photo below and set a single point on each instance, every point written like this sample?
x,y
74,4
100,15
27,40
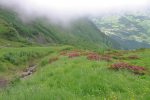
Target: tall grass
x,y
81,79
12,59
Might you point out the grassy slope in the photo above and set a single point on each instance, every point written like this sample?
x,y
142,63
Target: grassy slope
x,y
14,59
79,78
82,33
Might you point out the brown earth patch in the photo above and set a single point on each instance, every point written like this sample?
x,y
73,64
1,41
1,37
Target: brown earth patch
x,y
3,82
52,59
133,57
63,53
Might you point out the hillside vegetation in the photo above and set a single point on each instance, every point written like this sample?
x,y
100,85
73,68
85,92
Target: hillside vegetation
x,y
66,73
130,30
81,33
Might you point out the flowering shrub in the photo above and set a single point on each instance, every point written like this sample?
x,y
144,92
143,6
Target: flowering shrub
x,y
122,65
93,57
73,54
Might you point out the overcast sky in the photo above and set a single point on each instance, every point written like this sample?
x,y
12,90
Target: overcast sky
x,y
66,9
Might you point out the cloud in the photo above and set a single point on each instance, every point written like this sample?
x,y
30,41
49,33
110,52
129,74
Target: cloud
x,y
70,9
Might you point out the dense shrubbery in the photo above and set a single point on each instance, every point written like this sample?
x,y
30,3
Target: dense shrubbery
x,y
8,32
73,54
122,65
15,57
12,34
94,56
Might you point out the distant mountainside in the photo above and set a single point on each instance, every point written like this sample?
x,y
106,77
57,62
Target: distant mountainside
x,y
131,30
81,33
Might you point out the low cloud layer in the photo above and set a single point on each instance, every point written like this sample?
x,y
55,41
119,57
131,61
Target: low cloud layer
x,y
70,9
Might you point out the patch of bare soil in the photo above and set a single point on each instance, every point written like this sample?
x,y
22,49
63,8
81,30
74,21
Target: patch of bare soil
x,y
53,59
3,82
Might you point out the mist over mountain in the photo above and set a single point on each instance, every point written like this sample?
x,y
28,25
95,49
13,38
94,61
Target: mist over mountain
x,y
68,10
81,32
33,19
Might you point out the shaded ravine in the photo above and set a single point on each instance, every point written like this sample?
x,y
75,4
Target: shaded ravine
x,y
28,71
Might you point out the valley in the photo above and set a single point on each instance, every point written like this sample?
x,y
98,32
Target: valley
x,y
131,29
90,59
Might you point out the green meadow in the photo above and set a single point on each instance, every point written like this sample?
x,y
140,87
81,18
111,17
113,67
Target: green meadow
x,y
74,78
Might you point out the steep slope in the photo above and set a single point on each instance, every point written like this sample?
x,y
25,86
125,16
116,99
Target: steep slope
x,y
130,30
81,33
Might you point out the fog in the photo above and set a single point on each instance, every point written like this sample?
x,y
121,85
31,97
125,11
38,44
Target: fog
x,y
66,10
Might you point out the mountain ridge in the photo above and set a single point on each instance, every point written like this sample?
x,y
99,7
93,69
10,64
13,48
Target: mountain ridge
x,y
130,30
81,33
